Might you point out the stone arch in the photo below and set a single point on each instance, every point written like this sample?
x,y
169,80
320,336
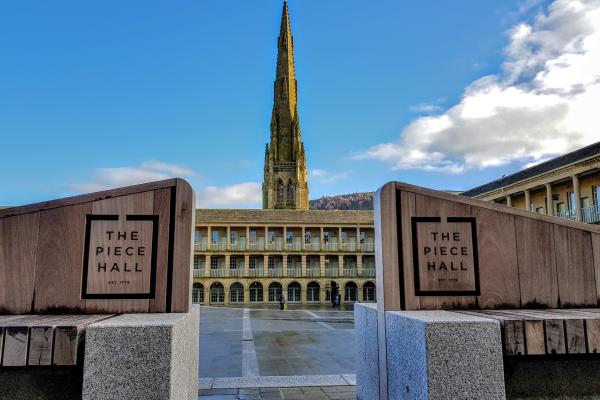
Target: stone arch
x,y
294,292
350,291
217,293
275,292
280,192
369,292
291,193
236,293
256,292
198,293
313,292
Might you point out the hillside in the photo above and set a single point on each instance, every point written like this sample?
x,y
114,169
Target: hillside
x,y
353,201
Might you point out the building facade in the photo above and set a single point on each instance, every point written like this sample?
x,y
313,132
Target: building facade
x,y
285,184
566,187
284,250
256,256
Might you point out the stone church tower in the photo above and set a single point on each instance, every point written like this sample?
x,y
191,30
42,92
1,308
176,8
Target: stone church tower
x,y
285,183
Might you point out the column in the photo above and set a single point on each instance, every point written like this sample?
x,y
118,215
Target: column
x,y
359,292
285,265
359,265
228,241
285,248
303,264
509,200
227,261
247,294
322,264
207,266
340,265
357,239
339,245
247,238
303,239
577,195
321,239
246,266
549,207
528,199
266,238
209,243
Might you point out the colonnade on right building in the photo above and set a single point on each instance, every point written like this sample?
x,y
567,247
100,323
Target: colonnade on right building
x,y
567,187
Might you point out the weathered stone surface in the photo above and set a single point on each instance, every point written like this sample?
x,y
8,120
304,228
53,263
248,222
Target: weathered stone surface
x,y
142,356
443,355
367,373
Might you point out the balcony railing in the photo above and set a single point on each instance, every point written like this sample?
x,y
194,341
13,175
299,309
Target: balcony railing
x,y
295,272
217,272
368,247
348,246
236,272
255,272
313,272
201,246
368,272
589,215
276,272
332,272
199,273
350,272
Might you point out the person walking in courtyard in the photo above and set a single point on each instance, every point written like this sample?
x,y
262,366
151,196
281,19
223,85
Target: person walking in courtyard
x,y
281,303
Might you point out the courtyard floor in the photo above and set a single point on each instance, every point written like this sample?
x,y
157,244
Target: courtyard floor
x,y
263,353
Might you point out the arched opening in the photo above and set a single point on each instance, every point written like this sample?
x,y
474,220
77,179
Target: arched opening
x,y
236,293
217,293
369,292
274,292
313,293
256,292
291,193
198,293
293,292
280,192
350,292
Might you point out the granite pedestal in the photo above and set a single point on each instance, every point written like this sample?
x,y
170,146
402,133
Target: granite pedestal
x,y
431,355
142,356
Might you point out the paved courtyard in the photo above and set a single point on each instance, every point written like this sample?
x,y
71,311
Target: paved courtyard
x,y
249,342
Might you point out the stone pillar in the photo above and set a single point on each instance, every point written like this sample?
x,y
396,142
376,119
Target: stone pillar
x,y
322,295
357,239
247,238
577,195
303,239
266,238
341,265
528,199
549,203
339,245
265,271
509,200
359,265
359,292
227,263
226,294
209,242
142,356
322,264
321,239
247,294
285,245
303,264
228,241
207,266
246,265
285,265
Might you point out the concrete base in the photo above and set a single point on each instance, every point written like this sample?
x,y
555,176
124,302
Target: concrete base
x,y
430,355
367,374
142,356
41,383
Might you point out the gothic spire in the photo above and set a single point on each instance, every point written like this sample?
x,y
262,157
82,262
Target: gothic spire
x,y
285,101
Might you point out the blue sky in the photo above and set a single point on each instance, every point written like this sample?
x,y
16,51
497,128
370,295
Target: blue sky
x,y
103,94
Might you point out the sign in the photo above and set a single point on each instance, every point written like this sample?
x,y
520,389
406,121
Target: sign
x,y
120,257
445,256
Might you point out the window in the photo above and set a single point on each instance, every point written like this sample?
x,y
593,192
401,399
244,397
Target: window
x,y
291,194
252,237
252,262
596,194
293,292
271,237
289,237
198,293
362,237
280,192
274,292
233,262
196,262
256,293
313,291
560,208
214,262
344,237
325,237
271,261
540,210
233,237
236,293
307,237
197,236
350,292
369,291
215,237
217,293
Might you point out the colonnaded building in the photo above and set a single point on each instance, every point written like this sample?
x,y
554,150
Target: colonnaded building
x,y
567,187
285,249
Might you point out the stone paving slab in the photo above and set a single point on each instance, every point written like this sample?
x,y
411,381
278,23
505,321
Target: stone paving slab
x,y
281,393
277,381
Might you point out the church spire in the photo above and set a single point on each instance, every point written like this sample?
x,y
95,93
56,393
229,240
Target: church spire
x,y
285,183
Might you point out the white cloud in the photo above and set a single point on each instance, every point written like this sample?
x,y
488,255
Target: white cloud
x,y
323,176
543,104
242,194
109,178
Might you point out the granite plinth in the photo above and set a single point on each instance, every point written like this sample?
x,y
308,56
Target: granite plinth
x,y
142,356
443,355
367,373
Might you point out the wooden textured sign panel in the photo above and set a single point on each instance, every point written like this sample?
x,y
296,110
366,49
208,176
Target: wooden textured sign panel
x,y
445,256
122,250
